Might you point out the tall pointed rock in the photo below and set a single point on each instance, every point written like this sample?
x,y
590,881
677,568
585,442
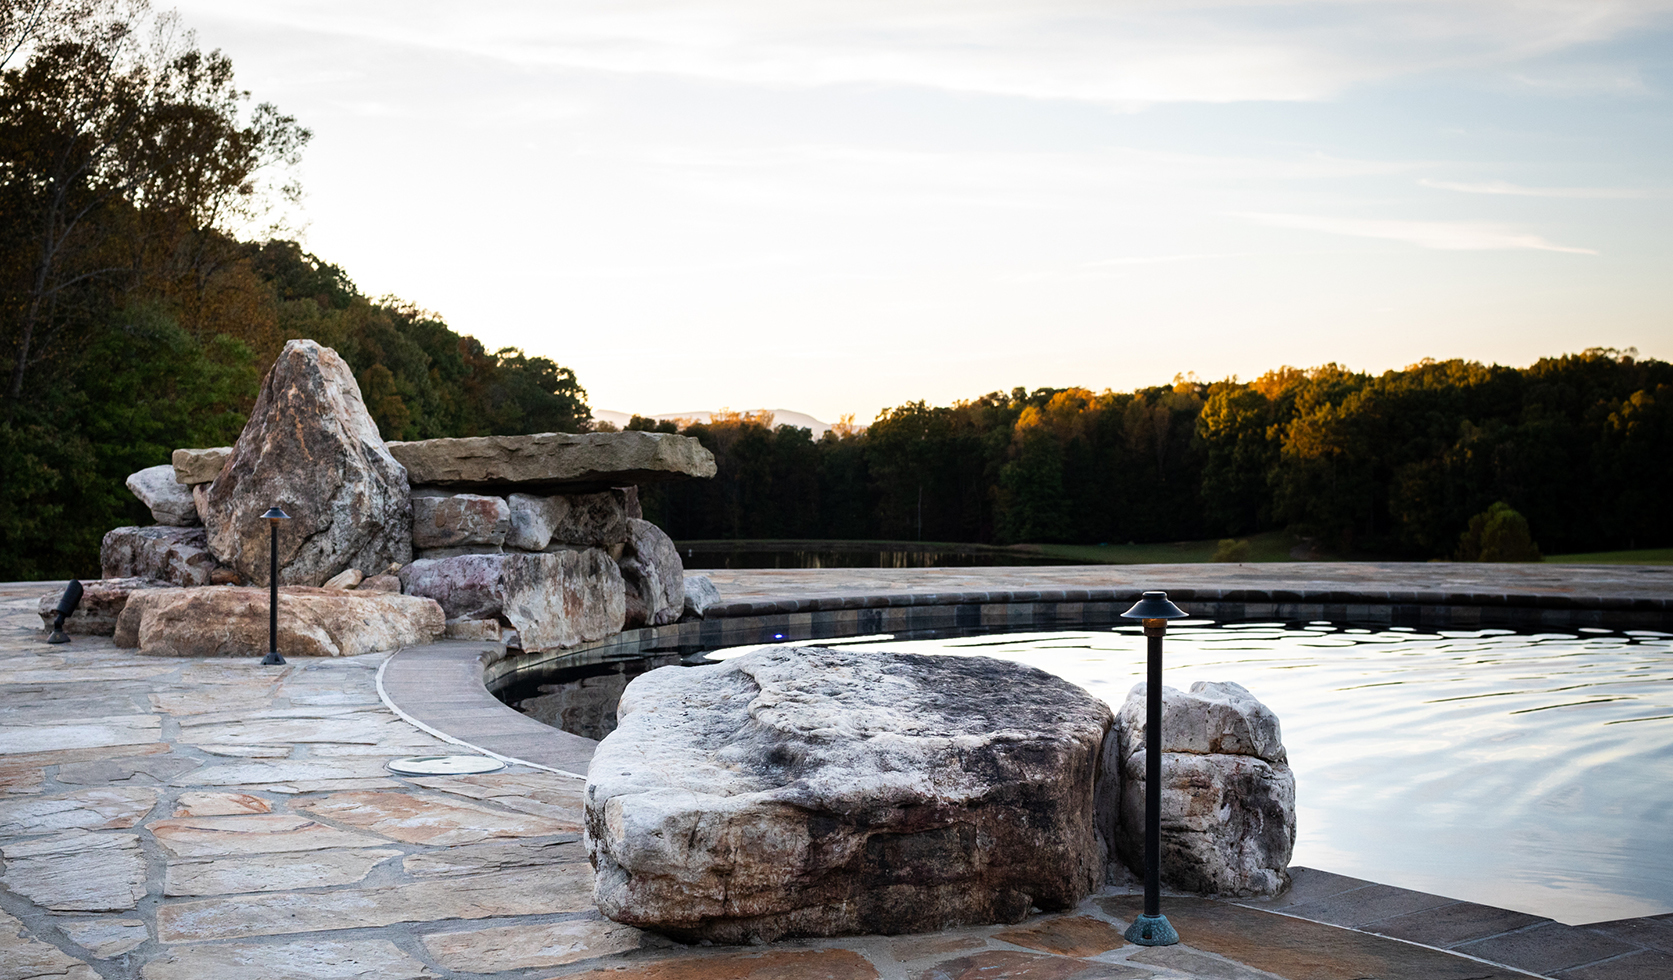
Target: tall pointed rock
x,y
310,448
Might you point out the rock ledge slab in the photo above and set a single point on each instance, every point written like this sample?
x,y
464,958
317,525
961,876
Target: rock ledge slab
x,y
553,462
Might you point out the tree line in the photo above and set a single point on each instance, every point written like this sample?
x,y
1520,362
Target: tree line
x,y
1394,464
146,281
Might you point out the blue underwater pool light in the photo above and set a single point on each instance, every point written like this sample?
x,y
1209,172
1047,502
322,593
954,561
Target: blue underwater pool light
x,y
1152,928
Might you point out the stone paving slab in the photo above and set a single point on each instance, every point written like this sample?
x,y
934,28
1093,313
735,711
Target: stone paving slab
x,y
237,821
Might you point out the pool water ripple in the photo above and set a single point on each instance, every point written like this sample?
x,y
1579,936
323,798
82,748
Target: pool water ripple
x,y
1527,771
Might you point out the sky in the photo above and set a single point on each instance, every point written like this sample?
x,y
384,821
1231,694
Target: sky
x,y
842,206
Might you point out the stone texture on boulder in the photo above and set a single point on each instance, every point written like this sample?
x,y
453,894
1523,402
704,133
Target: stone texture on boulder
x,y
230,621
170,503
1228,794
654,575
459,519
432,554
310,448
553,462
553,600
586,519
700,594
804,791
102,601
176,555
197,466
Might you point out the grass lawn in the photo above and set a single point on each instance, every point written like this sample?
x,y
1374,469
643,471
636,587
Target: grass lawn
x,y
1266,547
1642,556
1269,546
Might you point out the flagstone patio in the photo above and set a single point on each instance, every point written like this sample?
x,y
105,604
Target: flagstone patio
x,y
170,819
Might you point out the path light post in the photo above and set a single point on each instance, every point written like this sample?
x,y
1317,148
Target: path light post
x,y
1152,928
273,516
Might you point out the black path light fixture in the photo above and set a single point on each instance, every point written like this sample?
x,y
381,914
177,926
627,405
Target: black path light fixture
x,y
1152,928
273,516
66,606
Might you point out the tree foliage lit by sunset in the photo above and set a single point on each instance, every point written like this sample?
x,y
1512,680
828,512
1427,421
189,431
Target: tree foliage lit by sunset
x,y
1392,465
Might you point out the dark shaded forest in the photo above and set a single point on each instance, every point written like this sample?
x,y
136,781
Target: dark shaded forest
x,y
137,308
1390,465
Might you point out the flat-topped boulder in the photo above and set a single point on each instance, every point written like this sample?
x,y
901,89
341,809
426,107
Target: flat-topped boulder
x,y
805,791
553,599
232,621
102,601
169,501
176,555
196,466
553,462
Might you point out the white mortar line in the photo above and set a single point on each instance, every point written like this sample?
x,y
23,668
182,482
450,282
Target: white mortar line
x,y
383,695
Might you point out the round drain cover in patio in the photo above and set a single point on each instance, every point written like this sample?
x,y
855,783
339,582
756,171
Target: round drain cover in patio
x,y
443,765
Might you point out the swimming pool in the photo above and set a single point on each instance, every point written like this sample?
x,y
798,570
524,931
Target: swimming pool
x,y
1527,771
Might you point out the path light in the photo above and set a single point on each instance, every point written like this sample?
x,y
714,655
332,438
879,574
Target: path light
x,y
1152,928
273,516
66,606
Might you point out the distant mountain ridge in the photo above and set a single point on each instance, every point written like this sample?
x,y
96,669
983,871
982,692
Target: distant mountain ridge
x,y
781,416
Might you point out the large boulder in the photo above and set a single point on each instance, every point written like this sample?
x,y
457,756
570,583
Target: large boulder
x,y
170,502
176,555
553,600
194,467
586,519
804,791
553,462
1228,795
654,575
230,621
102,601
452,520
311,449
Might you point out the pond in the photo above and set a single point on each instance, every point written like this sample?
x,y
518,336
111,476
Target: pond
x,y
1526,771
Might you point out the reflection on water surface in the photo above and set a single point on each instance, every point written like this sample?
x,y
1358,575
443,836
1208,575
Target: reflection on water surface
x,y
1527,771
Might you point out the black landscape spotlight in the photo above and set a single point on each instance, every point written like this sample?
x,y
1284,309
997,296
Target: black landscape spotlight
x,y
1152,928
273,516
66,606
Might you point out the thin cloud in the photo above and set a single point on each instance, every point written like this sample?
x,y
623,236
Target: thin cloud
x,y
1517,190
1450,236
1154,259
1127,55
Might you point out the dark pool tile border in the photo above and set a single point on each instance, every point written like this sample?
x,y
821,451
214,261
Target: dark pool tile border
x,y
1393,606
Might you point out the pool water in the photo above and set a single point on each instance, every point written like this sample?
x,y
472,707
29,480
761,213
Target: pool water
x,y
1527,771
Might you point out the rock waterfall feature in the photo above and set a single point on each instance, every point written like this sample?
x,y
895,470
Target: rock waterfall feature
x,y
535,540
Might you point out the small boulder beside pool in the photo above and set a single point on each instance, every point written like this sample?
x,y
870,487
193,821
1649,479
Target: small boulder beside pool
x,y
807,791
1228,795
